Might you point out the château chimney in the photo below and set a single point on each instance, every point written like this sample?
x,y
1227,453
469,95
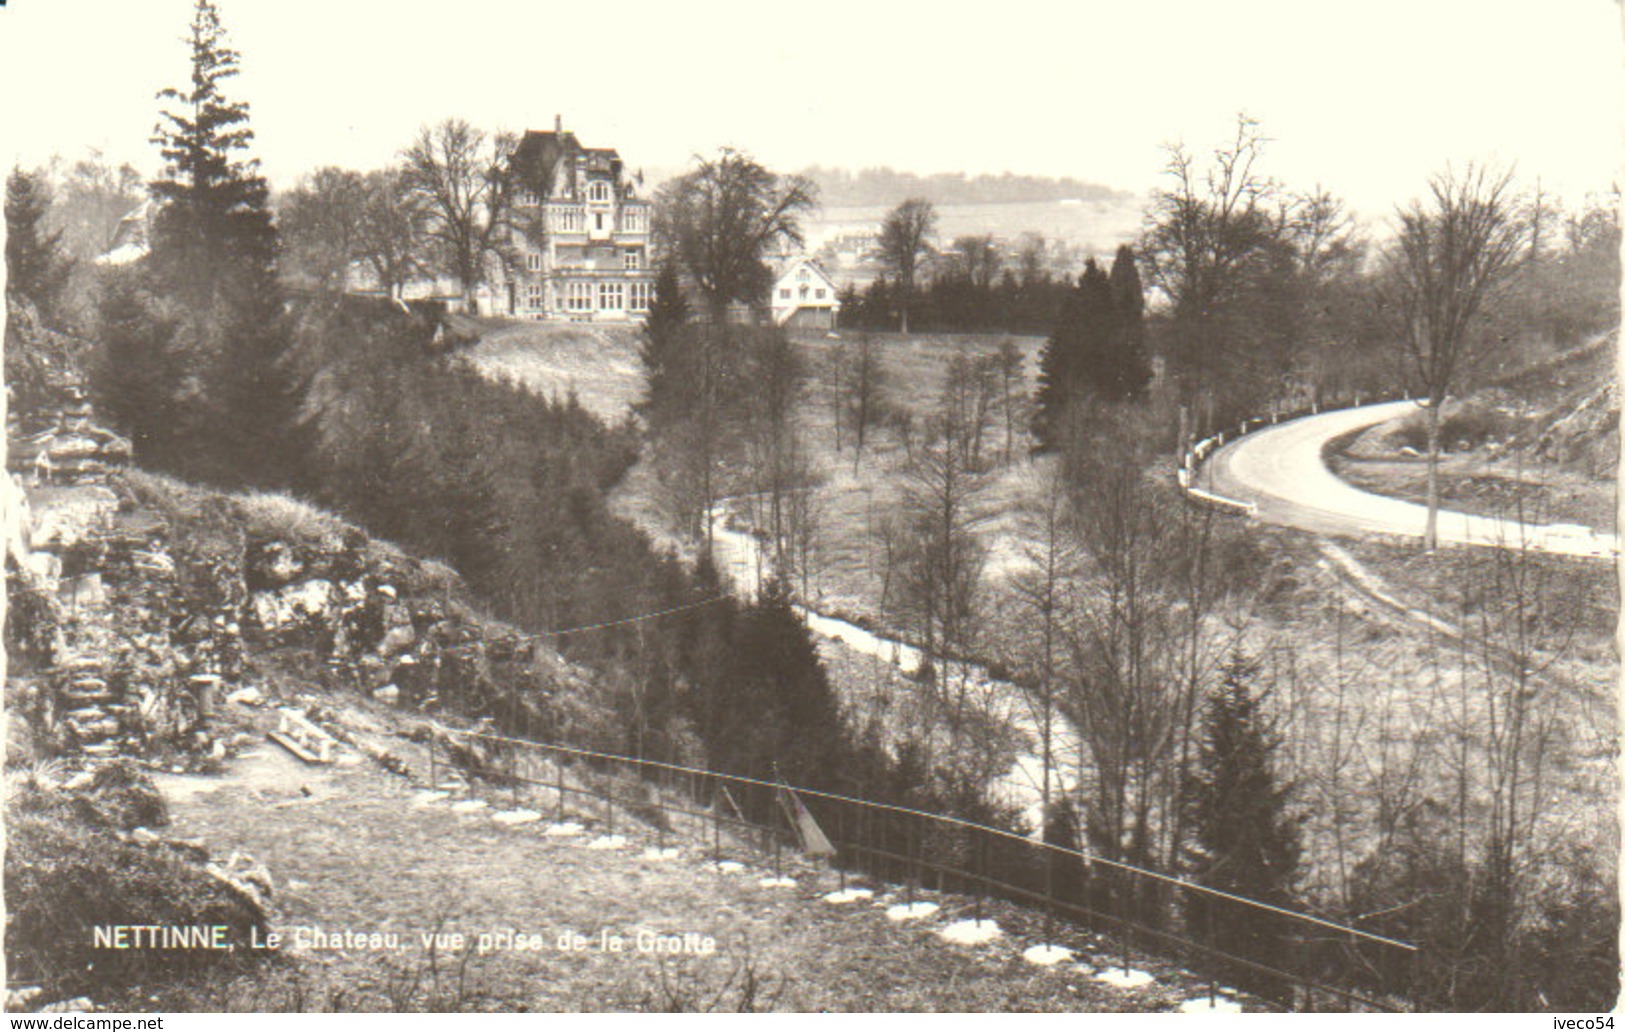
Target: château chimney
x,y
558,123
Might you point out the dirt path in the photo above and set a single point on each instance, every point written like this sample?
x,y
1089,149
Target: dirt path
x,y
354,849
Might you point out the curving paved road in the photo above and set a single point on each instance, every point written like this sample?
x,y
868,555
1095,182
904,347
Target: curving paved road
x,y
1281,470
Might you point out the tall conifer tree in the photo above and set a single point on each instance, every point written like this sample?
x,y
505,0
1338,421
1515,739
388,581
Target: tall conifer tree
x,y
1245,840
36,268
214,251
1129,295
1058,371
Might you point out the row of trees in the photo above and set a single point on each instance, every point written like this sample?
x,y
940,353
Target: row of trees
x,y
953,302
447,208
966,286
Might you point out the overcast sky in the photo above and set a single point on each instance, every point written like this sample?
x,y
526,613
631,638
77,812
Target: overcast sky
x,y
1367,98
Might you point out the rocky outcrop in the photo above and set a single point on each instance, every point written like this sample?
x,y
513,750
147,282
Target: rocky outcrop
x,y
207,605
74,450
1584,434
41,366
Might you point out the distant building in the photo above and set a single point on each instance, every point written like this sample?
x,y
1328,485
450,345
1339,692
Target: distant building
x,y
803,296
581,244
132,240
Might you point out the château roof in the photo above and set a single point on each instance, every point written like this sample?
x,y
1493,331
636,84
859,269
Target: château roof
x,y
540,152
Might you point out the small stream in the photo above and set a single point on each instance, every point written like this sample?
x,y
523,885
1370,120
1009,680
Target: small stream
x,y
739,554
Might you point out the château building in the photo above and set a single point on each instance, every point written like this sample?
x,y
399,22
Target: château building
x,y
581,236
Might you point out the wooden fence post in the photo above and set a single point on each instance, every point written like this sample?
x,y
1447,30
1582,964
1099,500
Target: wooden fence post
x,y
558,780
716,823
840,836
660,805
913,857
977,880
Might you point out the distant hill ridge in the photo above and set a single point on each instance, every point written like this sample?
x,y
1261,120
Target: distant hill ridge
x,y
870,187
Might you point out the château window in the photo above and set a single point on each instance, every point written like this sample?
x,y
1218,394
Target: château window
x,y
578,296
820,293
568,220
784,293
598,192
642,294
611,296
632,260
533,296
533,262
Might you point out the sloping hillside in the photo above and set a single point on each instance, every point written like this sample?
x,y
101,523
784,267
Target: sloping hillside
x,y
237,826
599,364
357,850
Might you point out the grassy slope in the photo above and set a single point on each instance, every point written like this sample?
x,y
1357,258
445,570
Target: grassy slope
x,y
1368,700
350,850
600,363
859,493
1484,486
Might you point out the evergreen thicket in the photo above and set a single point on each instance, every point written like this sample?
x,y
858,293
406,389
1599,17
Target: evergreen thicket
x,y
1244,839
37,268
198,327
1022,303
1096,351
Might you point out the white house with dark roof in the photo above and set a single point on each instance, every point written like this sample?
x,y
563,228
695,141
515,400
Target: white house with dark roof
x,y
803,296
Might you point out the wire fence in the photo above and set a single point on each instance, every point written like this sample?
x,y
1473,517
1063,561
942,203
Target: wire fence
x,y
1288,959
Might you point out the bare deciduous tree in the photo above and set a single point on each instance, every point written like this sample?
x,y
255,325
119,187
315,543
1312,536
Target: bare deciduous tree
x,y
1013,400
773,447
1206,235
718,221
905,239
940,552
866,390
1454,247
390,234
460,176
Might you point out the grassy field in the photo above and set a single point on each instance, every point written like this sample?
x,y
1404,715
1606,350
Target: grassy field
x,y
858,493
598,363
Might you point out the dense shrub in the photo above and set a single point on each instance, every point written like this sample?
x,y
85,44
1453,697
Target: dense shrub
x,y
68,870
1463,426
